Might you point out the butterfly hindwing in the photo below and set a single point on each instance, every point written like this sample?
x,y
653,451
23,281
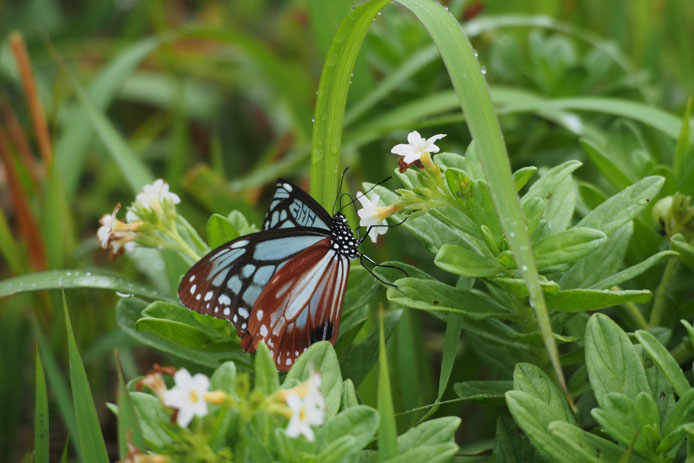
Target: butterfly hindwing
x,y
291,207
227,282
300,305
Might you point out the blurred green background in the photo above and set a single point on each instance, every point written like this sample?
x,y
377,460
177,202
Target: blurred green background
x,y
217,98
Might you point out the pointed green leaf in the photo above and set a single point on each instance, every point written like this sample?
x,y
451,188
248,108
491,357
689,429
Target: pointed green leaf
x,y
581,300
633,271
320,357
624,206
41,429
613,363
128,424
267,380
532,380
684,249
666,362
567,246
587,447
220,230
59,279
431,295
387,433
466,261
90,438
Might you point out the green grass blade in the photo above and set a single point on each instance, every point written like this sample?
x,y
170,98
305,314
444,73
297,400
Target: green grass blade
x,y
59,279
59,388
387,431
71,147
41,432
332,99
473,95
89,436
128,425
132,168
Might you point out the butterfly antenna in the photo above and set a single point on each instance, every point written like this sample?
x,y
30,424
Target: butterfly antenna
x,y
339,189
364,194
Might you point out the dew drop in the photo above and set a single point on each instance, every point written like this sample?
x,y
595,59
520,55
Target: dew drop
x,y
379,13
123,295
475,53
484,70
525,268
513,234
313,119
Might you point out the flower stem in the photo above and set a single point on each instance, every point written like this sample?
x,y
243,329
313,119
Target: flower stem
x,y
659,302
636,315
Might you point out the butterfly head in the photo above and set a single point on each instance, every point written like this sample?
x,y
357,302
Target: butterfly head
x,y
344,241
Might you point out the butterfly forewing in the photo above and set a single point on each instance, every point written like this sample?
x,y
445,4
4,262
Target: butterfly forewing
x,y
300,305
291,207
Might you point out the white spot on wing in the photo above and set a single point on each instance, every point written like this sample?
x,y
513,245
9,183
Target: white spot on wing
x,y
224,299
287,187
208,295
263,330
192,278
193,288
243,312
259,314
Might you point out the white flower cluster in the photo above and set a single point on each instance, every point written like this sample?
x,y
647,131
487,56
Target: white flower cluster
x,y
308,407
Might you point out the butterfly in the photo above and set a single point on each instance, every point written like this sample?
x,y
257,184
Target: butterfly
x,y
283,285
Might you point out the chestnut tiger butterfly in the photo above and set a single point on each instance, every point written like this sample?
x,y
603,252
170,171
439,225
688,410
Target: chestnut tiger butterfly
x,y
283,285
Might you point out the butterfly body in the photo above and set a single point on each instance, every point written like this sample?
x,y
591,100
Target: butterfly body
x,y
283,285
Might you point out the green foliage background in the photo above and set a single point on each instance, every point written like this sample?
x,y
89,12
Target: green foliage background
x,y
221,98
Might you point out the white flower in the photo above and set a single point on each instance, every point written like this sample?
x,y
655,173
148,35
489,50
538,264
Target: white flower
x,y
116,234
188,396
154,194
372,216
307,405
416,147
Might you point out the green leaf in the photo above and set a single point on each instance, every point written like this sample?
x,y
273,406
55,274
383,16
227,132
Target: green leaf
x,y
128,424
683,162
41,421
430,433
132,168
73,141
431,295
682,412
332,99
483,392
618,418
665,361
567,246
684,249
175,332
89,436
523,175
129,311
320,357
533,416
466,261
454,323
624,206
633,271
359,422
155,422
510,446
587,447
531,379
612,173
387,433
581,300
349,395
224,378
359,360
613,363
220,230
584,273
267,380
59,279
438,453
550,181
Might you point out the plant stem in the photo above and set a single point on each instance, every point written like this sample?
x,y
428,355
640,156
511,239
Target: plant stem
x,y
659,301
682,352
636,315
